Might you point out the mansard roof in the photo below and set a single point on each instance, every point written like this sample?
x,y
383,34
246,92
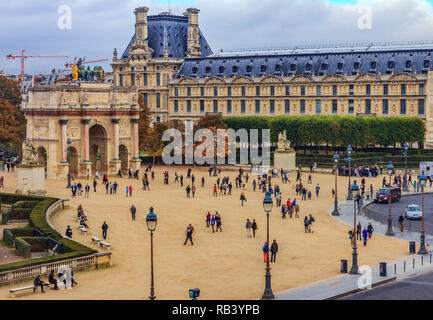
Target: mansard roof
x,y
176,29
343,60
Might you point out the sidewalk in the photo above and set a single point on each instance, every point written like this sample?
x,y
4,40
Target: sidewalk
x,y
346,284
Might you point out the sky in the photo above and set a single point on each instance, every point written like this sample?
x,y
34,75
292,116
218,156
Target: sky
x,y
99,26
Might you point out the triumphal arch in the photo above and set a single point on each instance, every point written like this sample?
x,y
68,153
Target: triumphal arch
x,y
83,127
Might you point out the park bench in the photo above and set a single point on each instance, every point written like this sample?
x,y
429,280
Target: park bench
x,y
105,245
97,240
83,230
32,287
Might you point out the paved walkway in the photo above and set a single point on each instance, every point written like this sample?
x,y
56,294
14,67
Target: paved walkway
x,y
345,284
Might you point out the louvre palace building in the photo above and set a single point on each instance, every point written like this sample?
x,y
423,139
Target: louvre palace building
x,y
172,65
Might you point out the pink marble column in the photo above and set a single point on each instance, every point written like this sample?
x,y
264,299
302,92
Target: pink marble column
x,y
86,139
63,123
135,135
116,139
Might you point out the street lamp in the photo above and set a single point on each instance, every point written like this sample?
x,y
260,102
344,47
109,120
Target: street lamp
x,y
354,189
349,159
215,156
267,205
405,186
151,221
69,143
423,180
390,170
335,212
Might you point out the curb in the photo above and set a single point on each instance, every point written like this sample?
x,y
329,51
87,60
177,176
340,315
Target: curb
x,y
374,285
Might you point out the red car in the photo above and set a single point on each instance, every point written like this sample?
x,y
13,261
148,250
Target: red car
x,y
383,194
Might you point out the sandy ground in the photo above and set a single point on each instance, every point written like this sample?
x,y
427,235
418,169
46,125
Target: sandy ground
x,y
225,265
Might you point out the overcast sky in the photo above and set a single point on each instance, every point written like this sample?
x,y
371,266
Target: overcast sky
x,y
98,26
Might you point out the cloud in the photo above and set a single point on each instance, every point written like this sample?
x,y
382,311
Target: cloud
x,y
98,26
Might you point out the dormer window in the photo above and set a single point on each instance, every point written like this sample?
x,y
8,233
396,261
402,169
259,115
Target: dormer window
x,y
373,65
262,68
308,67
221,69
356,65
293,67
249,68
340,66
208,69
278,67
235,69
426,64
391,64
324,66
194,70
408,64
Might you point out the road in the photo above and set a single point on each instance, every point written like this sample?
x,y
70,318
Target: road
x,y
398,208
414,288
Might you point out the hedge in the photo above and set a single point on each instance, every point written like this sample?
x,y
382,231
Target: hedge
x,y
11,198
37,220
23,247
19,213
336,130
25,204
9,235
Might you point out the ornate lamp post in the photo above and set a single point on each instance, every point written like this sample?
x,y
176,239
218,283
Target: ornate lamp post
x,y
69,143
151,221
349,159
405,186
267,205
215,156
354,189
390,170
335,212
423,180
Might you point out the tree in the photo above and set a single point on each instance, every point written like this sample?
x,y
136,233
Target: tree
x,y
10,91
12,126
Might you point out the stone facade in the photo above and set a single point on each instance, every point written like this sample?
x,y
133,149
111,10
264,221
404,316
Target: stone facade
x,y
189,87
100,122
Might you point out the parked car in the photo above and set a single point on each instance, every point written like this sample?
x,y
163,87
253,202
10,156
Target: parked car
x,y
413,212
383,193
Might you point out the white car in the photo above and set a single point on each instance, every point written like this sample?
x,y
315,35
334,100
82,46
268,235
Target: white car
x,y
413,212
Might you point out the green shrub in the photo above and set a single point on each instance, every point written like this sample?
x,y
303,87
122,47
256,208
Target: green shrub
x,y
5,217
19,213
25,204
11,198
9,235
23,247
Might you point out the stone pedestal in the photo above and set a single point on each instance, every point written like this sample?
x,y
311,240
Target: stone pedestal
x,y
285,160
135,164
115,166
84,166
62,170
31,179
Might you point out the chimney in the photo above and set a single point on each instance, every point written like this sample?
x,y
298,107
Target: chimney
x,y
193,33
141,26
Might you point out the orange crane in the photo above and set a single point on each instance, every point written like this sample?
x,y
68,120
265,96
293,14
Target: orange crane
x,y
23,57
67,65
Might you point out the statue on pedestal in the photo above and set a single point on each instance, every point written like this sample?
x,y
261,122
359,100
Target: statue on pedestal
x,y
29,152
283,144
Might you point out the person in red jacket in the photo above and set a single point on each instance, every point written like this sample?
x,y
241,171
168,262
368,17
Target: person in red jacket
x,y
215,194
130,191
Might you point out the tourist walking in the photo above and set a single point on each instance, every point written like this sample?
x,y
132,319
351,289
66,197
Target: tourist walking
x,y
365,235
212,222
218,222
243,198
370,230
310,225
274,250
104,230
249,226
265,250
358,231
130,191
208,217
306,224
401,222
189,231
133,210
254,227
127,190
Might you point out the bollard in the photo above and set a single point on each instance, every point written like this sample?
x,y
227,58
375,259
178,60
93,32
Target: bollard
x,y
404,266
413,267
422,261
395,269
430,258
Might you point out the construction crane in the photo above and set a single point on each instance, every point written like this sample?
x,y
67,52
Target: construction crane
x,y
23,57
67,65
